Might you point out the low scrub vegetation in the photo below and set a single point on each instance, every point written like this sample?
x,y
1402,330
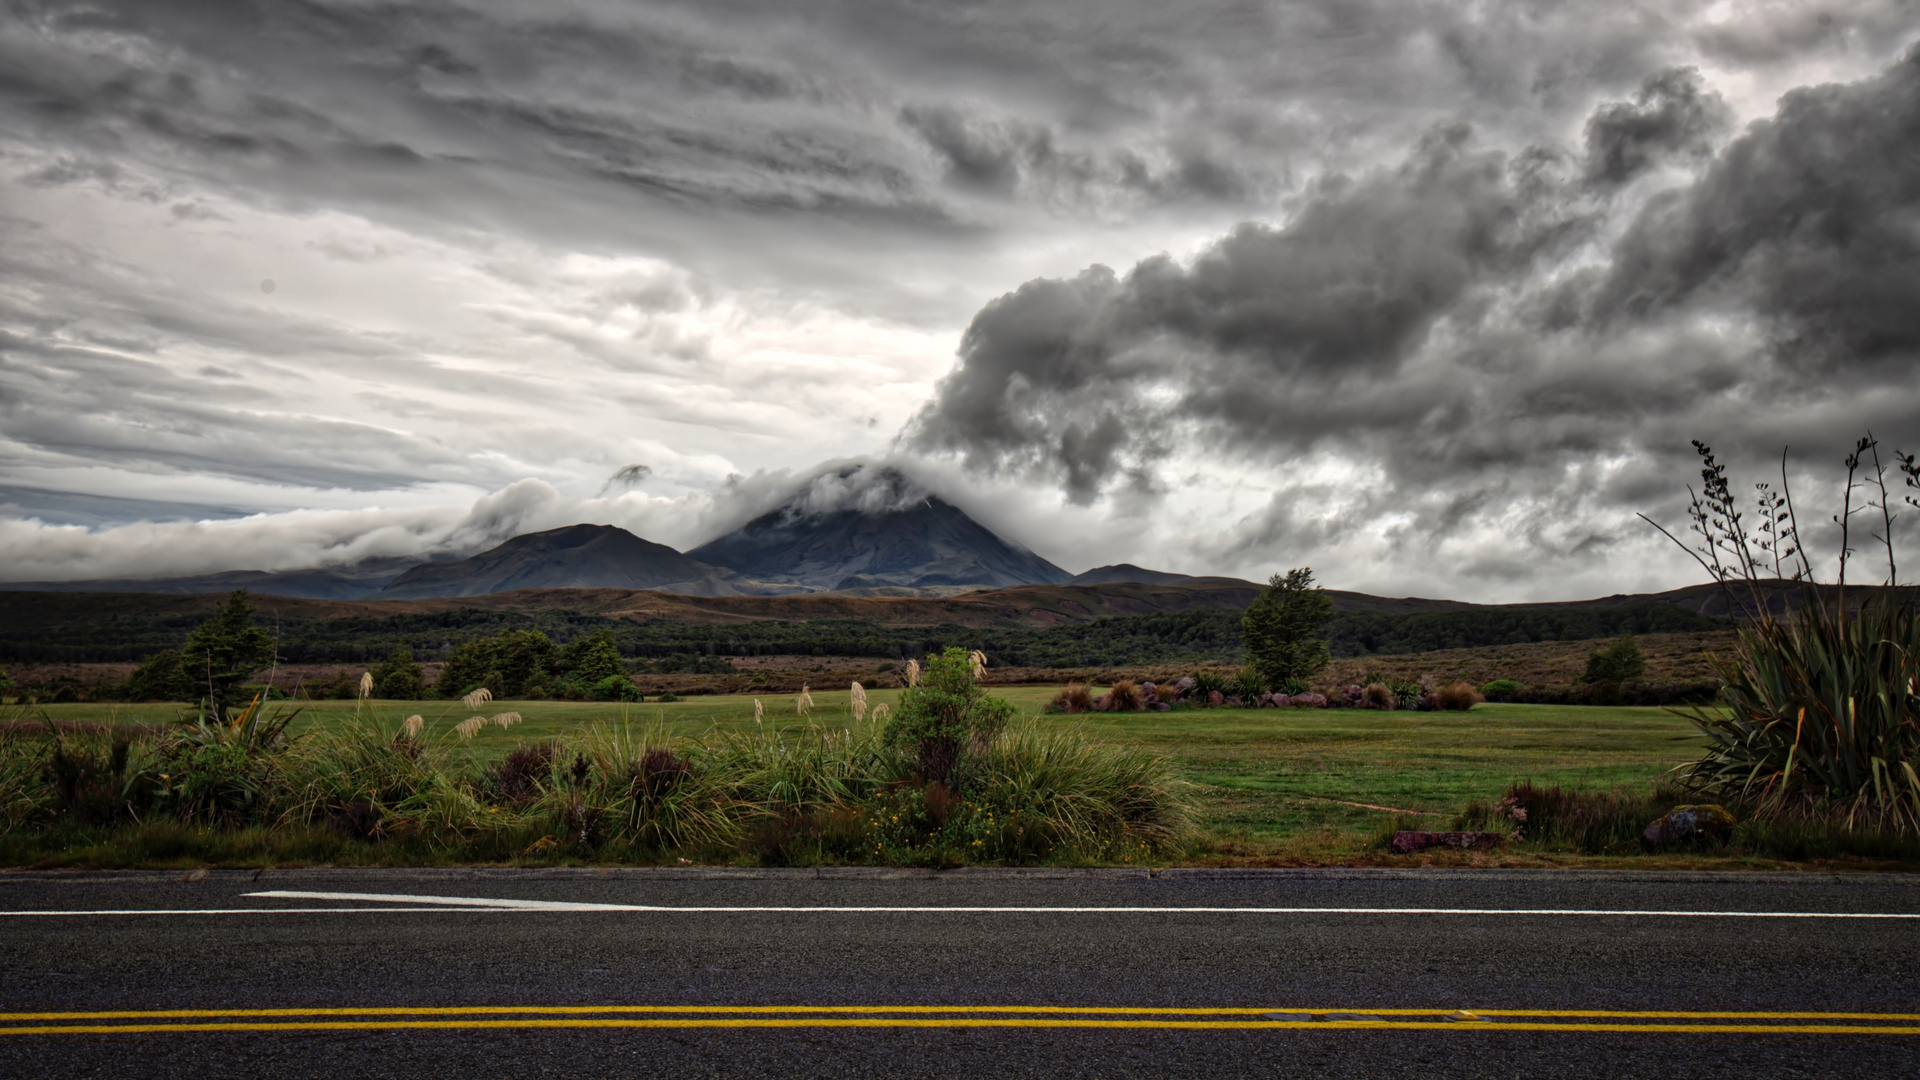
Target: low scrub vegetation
x,y
947,779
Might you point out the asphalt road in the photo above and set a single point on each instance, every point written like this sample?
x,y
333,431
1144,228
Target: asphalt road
x,y
694,973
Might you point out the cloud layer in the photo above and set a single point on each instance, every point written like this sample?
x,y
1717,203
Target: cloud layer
x,y
1430,296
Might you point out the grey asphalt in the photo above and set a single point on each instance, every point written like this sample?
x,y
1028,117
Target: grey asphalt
x,y
1162,959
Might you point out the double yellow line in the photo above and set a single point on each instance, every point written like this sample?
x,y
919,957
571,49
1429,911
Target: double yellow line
x,y
489,1017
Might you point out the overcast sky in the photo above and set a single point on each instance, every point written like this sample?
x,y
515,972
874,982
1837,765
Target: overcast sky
x,y
1431,297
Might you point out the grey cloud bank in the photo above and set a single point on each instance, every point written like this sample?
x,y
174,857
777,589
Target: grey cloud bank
x,y
1428,296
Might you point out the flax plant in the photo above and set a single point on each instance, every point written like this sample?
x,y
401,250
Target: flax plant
x,y
1821,700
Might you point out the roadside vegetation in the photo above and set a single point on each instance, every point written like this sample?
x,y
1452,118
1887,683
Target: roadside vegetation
x,y
946,776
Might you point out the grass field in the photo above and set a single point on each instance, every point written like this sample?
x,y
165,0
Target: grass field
x,y
1268,784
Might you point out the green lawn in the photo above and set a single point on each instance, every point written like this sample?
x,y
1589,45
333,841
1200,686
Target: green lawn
x,y
1266,781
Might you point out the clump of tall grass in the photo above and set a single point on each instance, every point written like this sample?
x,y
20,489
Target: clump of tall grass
x,y
1041,792
639,788
1822,700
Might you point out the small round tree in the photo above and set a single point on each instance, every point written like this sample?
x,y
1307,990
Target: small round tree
x,y
946,715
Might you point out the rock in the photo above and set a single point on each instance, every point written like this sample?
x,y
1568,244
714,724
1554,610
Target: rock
x,y
1406,841
1185,684
1149,691
1279,701
1689,824
1102,703
1215,697
1161,706
1308,701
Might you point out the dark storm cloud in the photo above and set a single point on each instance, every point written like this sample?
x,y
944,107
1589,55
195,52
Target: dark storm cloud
x,y
1273,336
1808,222
1446,322
1673,115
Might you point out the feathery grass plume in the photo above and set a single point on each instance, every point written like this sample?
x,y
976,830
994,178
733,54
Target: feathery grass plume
x,y
414,725
759,711
476,698
366,684
369,777
804,703
913,673
880,713
506,719
858,697
979,661
471,726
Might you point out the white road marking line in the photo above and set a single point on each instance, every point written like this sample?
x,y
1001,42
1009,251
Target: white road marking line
x,y
477,904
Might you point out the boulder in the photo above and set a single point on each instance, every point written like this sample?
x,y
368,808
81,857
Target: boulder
x,y
1185,684
1215,697
1689,824
1161,706
1102,702
1308,701
1279,701
1407,841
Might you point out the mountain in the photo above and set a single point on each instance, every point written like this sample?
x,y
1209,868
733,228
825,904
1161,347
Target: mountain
x,y
869,528
357,581
576,556
1119,572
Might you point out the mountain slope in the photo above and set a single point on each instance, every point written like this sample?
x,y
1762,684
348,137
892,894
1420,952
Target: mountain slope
x,y
905,538
576,556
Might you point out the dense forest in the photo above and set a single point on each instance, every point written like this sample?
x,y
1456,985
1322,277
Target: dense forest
x,y
1113,641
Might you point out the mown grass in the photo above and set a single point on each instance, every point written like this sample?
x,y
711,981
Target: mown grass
x,y
1266,786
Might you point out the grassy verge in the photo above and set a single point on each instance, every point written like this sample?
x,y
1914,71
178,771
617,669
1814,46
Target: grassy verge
x,y
1264,787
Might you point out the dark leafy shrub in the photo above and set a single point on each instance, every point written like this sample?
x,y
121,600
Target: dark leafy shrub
x,y
398,677
516,780
1502,690
160,677
1616,663
617,688
946,715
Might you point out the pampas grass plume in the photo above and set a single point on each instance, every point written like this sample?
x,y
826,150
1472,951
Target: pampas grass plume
x,y
477,698
471,726
507,719
759,711
913,673
366,684
859,698
979,661
804,703
414,725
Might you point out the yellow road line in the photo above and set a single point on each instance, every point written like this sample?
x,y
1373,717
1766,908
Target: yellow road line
x,y
1049,1010
880,1022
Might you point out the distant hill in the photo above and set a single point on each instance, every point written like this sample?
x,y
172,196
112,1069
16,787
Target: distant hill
x,y
900,540
1101,575
576,556
354,582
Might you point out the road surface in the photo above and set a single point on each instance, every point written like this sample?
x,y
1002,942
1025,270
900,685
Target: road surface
x,y
853,973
